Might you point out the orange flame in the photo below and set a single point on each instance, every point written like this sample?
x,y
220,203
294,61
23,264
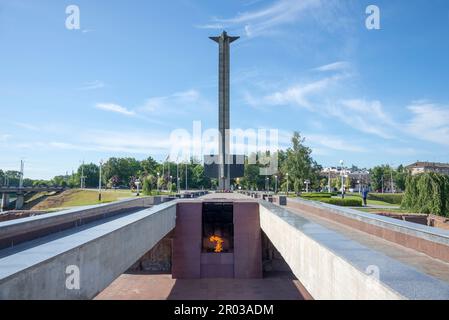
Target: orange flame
x,y
219,241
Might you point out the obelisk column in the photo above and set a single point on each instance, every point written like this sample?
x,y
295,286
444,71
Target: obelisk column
x,y
224,42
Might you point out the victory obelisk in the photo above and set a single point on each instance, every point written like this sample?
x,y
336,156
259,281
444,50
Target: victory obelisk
x,y
224,42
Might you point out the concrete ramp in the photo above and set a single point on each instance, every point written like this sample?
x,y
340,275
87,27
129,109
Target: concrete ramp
x,y
332,266
100,254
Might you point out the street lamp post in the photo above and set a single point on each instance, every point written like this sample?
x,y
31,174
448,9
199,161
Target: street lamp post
x,y
177,177
391,181
342,180
307,182
99,181
287,184
383,185
138,185
187,179
157,182
276,185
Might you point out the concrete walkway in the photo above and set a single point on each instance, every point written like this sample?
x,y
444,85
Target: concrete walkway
x,y
275,286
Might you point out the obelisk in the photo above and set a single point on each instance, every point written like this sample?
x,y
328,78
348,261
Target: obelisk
x,y
224,42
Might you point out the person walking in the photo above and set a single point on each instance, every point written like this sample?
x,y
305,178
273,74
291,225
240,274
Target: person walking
x,y
365,196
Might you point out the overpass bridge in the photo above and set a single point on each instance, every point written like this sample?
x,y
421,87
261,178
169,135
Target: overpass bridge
x,y
335,253
6,191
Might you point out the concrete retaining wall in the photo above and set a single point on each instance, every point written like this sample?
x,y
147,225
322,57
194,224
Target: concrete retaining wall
x,y
431,241
331,266
101,253
26,229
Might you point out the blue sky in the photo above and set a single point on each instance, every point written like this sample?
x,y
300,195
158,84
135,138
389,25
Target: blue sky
x,y
137,70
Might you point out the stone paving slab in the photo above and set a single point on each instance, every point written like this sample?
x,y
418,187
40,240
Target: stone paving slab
x,y
163,287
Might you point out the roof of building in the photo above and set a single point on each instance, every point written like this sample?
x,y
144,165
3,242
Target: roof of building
x,y
423,164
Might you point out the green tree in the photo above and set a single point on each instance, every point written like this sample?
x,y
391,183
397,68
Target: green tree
x,y
123,168
149,184
400,178
427,193
299,164
91,173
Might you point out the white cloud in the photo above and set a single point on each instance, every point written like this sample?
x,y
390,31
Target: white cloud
x,y
334,143
279,13
92,85
298,95
269,19
429,122
114,108
4,137
135,142
175,103
365,116
211,26
336,66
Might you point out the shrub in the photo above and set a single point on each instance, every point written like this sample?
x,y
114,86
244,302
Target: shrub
x,y
340,202
148,185
344,202
388,198
316,195
427,193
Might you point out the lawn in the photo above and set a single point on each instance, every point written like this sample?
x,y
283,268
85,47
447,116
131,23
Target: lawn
x,y
392,210
373,202
76,198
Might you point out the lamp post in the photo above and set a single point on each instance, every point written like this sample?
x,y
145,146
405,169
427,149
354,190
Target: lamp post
x,y
157,182
391,181
99,181
187,179
177,176
276,184
267,184
307,182
138,185
287,184
342,180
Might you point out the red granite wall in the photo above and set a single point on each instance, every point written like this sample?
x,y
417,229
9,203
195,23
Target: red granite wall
x,y
186,263
190,263
247,241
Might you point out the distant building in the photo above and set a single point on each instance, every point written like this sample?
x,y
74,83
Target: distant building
x,y
422,167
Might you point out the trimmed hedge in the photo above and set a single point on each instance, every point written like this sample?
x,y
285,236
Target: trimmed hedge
x,y
345,202
388,198
340,202
316,195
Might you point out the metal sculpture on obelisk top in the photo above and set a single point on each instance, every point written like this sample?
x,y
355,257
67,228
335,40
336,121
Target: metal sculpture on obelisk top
x,y
224,173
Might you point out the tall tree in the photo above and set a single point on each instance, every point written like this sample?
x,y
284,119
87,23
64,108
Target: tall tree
x,y
299,164
91,173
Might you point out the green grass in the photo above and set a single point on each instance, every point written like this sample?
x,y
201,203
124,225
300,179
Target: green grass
x,y
76,198
373,202
392,210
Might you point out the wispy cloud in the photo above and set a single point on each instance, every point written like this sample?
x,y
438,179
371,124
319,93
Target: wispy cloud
x,y
336,66
365,116
299,95
269,19
217,26
429,122
27,126
114,108
4,137
92,85
178,102
334,143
